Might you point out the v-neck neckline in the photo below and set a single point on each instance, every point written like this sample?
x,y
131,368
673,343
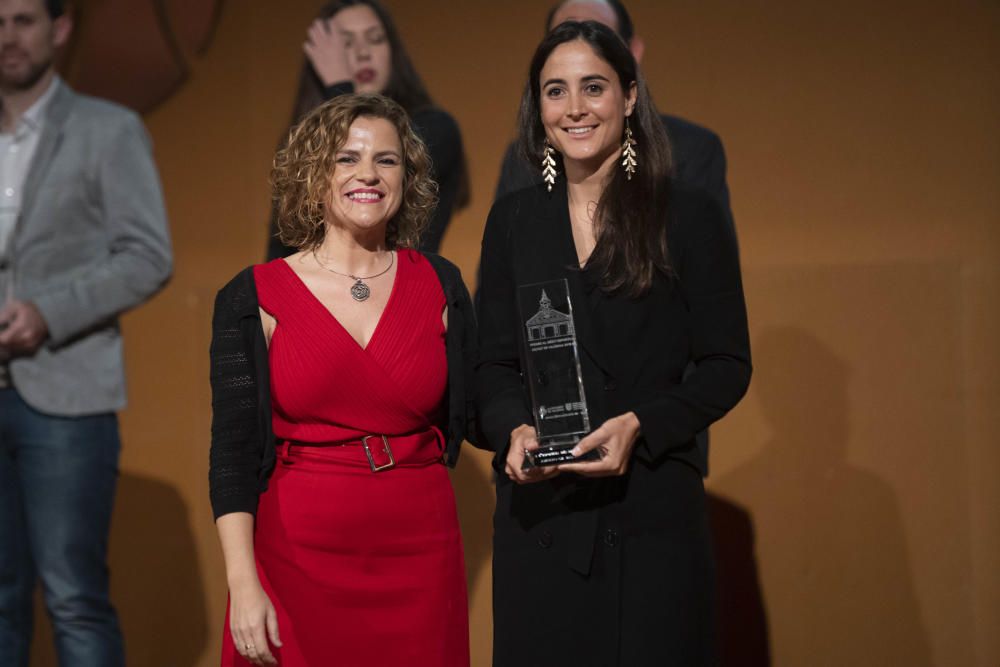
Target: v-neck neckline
x,y
583,275
381,318
567,219
584,287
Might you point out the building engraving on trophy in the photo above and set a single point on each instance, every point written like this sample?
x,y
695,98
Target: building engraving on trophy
x,y
551,329
548,328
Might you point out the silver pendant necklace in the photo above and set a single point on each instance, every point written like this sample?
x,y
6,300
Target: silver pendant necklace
x,y
359,290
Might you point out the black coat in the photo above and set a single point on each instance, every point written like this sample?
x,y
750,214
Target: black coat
x,y
626,562
699,161
242,456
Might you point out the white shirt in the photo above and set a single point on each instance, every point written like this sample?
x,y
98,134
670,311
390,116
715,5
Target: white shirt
x,y
16,152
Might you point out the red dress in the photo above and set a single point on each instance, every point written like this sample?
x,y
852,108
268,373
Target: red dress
x,y
363,568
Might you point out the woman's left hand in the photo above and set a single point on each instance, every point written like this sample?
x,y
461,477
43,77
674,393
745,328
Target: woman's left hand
x,y
615,439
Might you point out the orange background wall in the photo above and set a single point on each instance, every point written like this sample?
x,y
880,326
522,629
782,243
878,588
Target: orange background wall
x,y
854,488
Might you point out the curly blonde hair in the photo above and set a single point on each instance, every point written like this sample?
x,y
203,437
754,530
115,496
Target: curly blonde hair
x,y
300,177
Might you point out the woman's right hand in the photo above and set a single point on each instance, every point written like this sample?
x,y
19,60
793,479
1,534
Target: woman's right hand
x,y
326,50
522,439
252,622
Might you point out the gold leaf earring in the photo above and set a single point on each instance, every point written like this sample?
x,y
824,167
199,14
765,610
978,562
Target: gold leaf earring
x,y
549,165
628,152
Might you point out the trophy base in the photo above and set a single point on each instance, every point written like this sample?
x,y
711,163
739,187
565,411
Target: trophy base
x,y
551,455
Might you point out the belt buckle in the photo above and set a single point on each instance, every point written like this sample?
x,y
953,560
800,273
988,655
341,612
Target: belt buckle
x,y
371,459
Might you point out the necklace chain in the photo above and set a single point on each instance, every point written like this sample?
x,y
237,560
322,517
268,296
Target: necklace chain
x,y
392,257
359,290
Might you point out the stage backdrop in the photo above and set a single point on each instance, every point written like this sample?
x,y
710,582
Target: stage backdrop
x,y
854,490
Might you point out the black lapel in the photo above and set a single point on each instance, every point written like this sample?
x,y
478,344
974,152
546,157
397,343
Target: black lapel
x,y
587,334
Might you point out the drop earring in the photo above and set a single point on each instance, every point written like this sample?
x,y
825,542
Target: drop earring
x,y
549,165
628,152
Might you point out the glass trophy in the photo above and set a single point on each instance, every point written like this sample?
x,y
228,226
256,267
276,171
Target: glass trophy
x,y
551,366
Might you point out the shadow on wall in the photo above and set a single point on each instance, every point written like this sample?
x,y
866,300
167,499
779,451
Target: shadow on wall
x,y
742,620
156,582
832,554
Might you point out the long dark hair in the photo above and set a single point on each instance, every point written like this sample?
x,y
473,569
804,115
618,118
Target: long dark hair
x,y
631,216
404,87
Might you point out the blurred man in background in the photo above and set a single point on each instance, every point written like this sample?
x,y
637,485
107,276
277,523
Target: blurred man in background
x,y
83,238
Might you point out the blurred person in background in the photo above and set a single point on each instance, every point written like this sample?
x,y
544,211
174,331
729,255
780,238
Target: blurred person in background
x,y
83,238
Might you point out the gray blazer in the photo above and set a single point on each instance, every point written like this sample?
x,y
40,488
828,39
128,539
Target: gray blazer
x,y
91,242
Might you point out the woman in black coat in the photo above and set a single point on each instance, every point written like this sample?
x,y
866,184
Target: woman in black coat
x,y
608,562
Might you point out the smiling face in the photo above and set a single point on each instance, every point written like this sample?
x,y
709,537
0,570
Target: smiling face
x,y
29,38
368,52
366,188
583,106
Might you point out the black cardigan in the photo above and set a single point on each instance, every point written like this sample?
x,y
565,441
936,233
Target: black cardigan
x,y
242,455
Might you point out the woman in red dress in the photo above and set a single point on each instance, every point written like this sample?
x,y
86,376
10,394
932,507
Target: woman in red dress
x,y
338,378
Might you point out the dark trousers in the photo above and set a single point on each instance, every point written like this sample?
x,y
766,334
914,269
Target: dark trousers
x,y
57,486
